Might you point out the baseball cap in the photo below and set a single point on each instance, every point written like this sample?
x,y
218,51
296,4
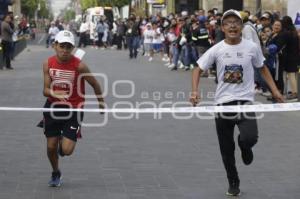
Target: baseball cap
x,y
231,12
65,36
266,16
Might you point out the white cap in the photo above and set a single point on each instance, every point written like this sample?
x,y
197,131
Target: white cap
x,y
65,36
184,13
265,15
231,12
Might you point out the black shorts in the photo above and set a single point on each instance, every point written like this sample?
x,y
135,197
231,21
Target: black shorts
x,y
66,124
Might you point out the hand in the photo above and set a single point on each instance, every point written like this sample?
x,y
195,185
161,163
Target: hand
x,y
61,95
194,99
279,98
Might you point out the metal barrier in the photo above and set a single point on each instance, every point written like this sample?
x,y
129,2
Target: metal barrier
x,y
20,45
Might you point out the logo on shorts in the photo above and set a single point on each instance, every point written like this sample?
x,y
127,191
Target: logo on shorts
x,y
73,128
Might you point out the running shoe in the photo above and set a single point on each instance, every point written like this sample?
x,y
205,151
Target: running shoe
x,y
56,179
234,188
292,97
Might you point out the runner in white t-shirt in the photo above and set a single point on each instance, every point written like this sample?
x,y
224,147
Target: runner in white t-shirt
x,y
236,59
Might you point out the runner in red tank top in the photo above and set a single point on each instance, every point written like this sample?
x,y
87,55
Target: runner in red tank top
x,y
64,88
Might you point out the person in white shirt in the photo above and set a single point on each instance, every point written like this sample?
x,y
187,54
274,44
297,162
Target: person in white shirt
x,y
148,38
93,35
83,31
157,46
236,59
53,31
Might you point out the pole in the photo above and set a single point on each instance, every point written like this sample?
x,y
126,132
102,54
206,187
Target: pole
x,y
232,4
258,7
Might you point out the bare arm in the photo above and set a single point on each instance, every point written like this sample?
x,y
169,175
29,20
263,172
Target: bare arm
x,y
269,80
83,69
194,99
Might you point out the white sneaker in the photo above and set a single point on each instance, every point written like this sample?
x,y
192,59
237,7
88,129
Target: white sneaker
x,y
150,59
211,76
181,66
167,64
171,66
266,94
166,59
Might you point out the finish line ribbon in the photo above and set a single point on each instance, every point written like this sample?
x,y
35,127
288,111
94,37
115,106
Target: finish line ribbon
x,y
280,107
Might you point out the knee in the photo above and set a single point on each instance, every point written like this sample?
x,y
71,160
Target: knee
x,y
51,149
248,142
67,151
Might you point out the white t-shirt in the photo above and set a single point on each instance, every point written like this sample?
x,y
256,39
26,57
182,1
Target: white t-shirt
x,y
148,36
171,36
249,32
92,27
53,30
235,69
83,27
157,36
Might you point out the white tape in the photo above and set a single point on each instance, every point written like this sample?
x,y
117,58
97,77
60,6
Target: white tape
x,y
199,109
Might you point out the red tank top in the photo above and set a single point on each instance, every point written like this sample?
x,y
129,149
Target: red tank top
x,y
65,77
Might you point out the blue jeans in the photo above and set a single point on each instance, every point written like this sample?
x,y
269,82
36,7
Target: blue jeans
x,y
259,80
175,52
133,44
186,55
194,55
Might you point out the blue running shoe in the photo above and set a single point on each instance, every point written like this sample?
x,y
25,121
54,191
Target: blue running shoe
x,y
56,179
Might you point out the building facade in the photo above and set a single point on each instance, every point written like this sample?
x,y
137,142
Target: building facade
x,y
148,7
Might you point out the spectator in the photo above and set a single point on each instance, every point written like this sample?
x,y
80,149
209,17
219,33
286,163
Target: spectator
x,y
6,40
53,31
83,32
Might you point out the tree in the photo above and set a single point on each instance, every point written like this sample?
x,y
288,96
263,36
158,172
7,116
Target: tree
x,y
88,3
29,8
44,11
120,3
69,14
92,3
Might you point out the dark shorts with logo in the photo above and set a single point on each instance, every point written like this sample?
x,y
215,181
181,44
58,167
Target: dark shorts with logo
x,y
66,124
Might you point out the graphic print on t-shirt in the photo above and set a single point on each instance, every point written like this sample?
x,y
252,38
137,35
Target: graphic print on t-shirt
x,y
233,74
62,79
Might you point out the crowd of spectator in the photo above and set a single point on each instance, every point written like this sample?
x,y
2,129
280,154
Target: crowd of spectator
x,y
180,39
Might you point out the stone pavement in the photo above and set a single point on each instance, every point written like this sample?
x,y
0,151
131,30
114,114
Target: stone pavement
x,y
140,157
